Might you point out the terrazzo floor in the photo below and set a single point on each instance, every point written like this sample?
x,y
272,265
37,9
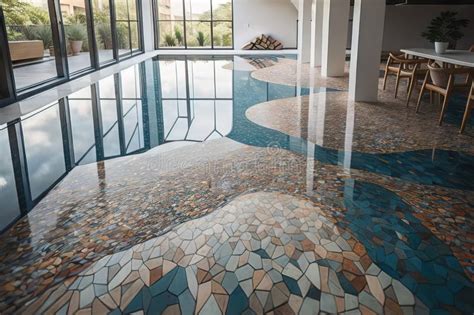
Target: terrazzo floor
x,y
241,225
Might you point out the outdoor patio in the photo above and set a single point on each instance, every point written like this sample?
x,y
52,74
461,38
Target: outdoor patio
x,y
36,72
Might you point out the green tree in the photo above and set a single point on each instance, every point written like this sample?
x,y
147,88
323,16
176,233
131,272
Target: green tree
x,y
222,12
22,13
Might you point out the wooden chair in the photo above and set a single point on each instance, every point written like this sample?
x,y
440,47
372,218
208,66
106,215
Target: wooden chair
x,y
469,106
404,68
442,81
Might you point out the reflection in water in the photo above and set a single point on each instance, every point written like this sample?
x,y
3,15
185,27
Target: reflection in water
x,y
82,126
43,148
10,209
188,99
197,99
125,113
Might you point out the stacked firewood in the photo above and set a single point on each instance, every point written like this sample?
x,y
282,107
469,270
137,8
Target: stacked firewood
x,y
263,42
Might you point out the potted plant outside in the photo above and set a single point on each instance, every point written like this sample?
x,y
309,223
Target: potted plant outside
x,y
444,30
76,35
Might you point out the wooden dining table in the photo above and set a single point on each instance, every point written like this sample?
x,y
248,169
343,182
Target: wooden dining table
x,y
463,58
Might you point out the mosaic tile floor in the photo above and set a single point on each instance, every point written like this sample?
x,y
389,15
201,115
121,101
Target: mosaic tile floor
x,y
408,132
262,221
262,252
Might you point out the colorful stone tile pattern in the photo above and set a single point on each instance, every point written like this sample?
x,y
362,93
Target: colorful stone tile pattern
x,y
263,252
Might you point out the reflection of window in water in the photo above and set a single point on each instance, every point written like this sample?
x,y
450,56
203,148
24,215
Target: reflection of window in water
x,y
10,208
110,119
197,99
43,148
119,136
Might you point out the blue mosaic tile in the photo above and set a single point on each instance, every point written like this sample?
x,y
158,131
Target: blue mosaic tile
x,y
137,303
187,303
179,283
292,285
163,284
238,302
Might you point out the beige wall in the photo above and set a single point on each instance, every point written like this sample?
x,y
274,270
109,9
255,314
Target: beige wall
x,y
69,6
272,17
404,25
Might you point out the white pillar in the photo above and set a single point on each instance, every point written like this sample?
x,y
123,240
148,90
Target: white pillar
x,y
335,29
367,38
316,32
304,30
148,29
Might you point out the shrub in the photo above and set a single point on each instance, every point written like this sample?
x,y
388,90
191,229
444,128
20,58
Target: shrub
x,y
105,35
41,32
201,38
178,35
122,36
170,40
76,32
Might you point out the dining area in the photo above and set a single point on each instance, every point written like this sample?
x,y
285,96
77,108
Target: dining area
x,y
442,75
442,72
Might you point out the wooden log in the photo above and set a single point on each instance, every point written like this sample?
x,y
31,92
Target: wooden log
x,y
263,42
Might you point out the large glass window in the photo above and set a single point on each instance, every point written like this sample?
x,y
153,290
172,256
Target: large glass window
x,y
31,42
51,41
128,37
78,37
194,24
103,30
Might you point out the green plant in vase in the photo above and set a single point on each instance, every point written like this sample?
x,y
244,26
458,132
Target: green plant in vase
x,y
445,30
76,34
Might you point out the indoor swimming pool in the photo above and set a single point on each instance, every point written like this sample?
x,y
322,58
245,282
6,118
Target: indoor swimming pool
x,y
93,201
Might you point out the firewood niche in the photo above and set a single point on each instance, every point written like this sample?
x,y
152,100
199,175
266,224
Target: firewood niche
x,y
263,42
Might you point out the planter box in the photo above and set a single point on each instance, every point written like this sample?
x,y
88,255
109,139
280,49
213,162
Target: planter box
x,y
26,49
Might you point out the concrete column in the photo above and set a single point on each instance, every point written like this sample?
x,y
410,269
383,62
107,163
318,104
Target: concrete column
x,y
334,42
367,38
148,29
304,30
316,32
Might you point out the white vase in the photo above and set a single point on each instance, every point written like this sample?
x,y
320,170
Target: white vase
x,y
441,47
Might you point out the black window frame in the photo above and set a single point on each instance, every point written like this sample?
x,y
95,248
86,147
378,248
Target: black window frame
x,y
10,94
157,20
129,22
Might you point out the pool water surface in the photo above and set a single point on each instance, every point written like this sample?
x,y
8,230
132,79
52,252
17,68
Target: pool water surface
x,y
379,241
